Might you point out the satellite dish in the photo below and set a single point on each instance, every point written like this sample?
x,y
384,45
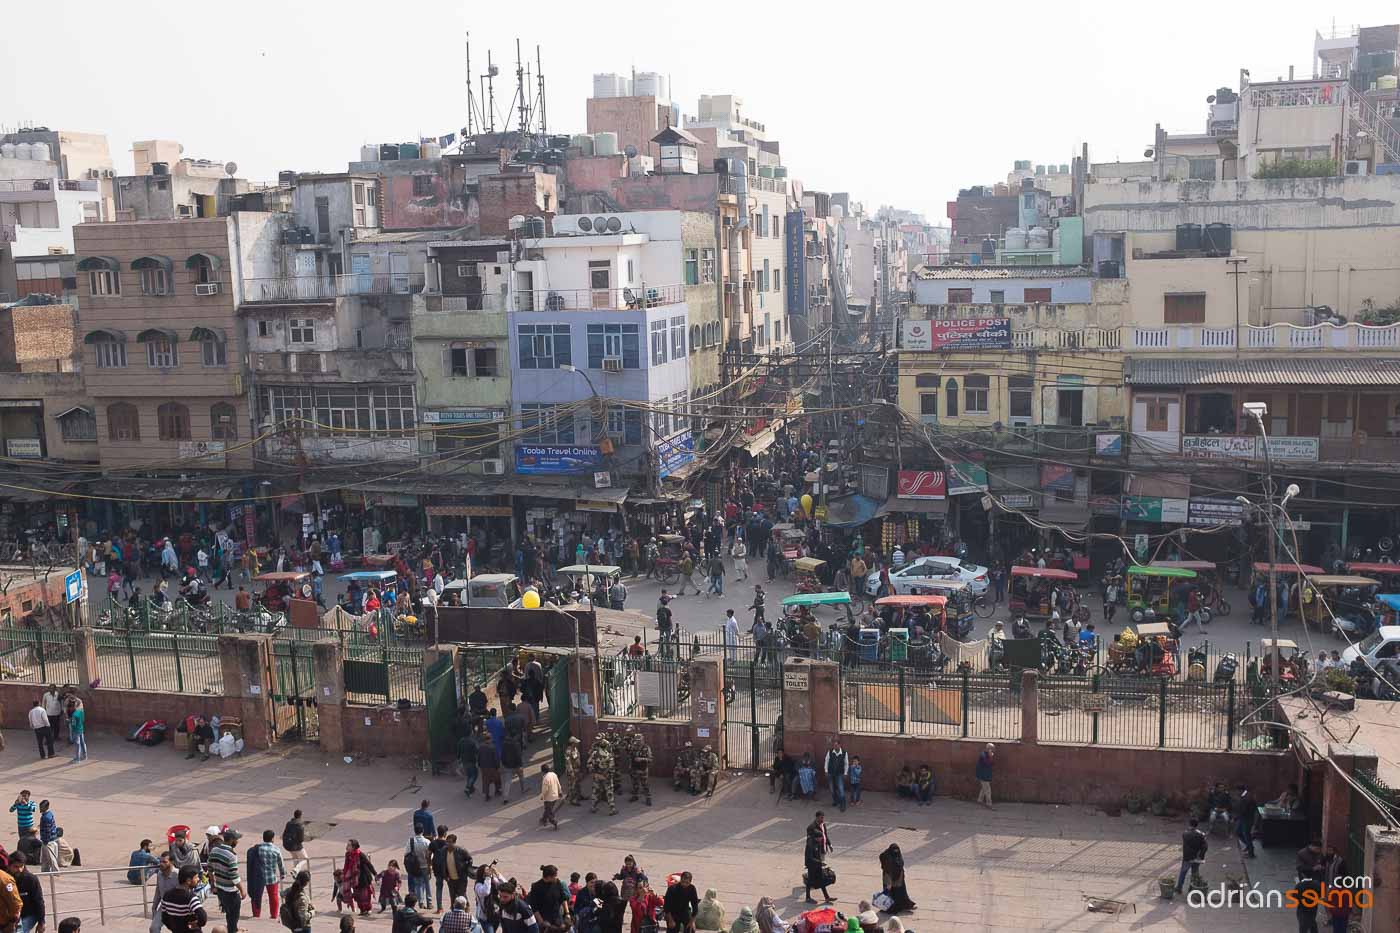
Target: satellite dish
x,y
631,151
585,224
230,167
1147,153
600,224
1210,99
614,225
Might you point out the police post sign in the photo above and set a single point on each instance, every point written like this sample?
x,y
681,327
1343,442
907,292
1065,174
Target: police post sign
x,y
963,334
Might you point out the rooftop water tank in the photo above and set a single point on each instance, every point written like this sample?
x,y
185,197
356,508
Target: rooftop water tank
x,y
1015,238
780,171
1023,165
369,153
41,151
1386,83
408,150
765,171
1188,237
605,144
1038,238
1064,168
583,143
388,152
7,150
1040,170
652,84
1217,239
430,151
534,227
24,151
611,85
287,179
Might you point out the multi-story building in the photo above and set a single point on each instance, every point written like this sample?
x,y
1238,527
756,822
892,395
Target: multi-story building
x,y
185,189
45,411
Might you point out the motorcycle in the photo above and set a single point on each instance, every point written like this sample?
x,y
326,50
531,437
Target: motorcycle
x,y
1355,625
1196,658
1225,670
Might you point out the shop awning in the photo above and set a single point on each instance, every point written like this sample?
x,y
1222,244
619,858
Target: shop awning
x,y
214,262
105,333
1072,516
164,490
613,496
850,511
203,332
938,507
758,443
98,264
157,333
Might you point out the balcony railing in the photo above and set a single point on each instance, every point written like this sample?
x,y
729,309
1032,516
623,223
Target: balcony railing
x,y
599,299
1286,337
313,288
48,184
1362,448
485,302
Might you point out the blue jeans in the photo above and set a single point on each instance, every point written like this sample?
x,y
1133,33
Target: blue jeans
x,y
1190,865
717,585
418,886
472,773
855,792
28,923
80,746
838,790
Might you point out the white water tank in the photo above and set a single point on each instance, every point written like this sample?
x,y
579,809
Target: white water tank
x,y
1015,238
612,85
7,150
430,151
369,152
605,144
1038,238
41,151
1055,237
652,84
582,142
24,151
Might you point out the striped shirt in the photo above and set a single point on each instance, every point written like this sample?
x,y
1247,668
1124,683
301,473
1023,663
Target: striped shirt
x,y
24,814
181,907
223,865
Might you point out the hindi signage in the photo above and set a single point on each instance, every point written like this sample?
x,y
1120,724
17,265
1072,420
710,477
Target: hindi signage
x,y
921,484
1217,446
1213,510
959,334
1289,448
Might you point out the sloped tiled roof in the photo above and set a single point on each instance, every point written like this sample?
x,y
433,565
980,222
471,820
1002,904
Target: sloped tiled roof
x,y
1284,370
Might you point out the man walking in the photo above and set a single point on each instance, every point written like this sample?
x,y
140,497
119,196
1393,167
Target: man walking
x,y
984,775
731,636
740,552
836,765
43,732
228,884
716,575
549,795
77,731
266,871
294,843
1245,816
417,864
1193,851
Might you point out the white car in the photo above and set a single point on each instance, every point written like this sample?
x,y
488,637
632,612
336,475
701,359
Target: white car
x,y
908,577
1382,644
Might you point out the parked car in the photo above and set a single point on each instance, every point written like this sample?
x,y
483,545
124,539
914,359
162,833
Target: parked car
x,y
1380,645
910,576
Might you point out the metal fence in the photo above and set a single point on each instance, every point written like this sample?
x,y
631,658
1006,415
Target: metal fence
x,y
37,655
903,701
168,662
645,688
380,675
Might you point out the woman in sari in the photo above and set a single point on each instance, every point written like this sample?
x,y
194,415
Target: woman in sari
x,y
357,879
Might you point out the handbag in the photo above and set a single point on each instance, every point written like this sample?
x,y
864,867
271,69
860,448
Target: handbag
x,y
882,902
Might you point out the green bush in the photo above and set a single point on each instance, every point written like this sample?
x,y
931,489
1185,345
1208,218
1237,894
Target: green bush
x,y
1298,168
1338,679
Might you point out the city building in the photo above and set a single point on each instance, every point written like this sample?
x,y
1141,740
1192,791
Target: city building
x,y
45,412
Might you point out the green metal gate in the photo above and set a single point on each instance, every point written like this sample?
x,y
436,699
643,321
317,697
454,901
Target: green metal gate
x,y
560,709
753,713
1365,813
294,691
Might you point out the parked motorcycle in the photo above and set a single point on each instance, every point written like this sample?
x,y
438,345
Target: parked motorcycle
x,y
1225,670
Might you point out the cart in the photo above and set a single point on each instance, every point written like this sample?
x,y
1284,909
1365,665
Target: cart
x,y
1293,663
1387,574
958,615
380,578
807,572
584,578
1152,591
1264,569
1209,580
1160,663
280,586
1030,590
668,560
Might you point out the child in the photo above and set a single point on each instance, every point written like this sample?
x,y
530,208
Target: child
x,y
347,923
574,885
389,886
854,773
338,896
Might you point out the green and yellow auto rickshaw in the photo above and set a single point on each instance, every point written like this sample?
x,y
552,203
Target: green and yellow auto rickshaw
x,y
1153,592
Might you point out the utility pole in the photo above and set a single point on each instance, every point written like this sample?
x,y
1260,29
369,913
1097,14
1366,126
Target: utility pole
x,y
1235,272
1257,410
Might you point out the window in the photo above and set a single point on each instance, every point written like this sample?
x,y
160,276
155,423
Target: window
x,y
777,280
484,362
173,420
1185,308
79,425
458,362
951,393
370,196
677,338
543,346
778,331
213,351
1036,296
1157,413
623,341
767,281
301,330
959,296
544,424
161,354
658,343
998,296
223,422
777,229
478,441
1069,407
382,409
692,267
975,391
422,186
155,281
104,282
1020,390
1201,169
472,361
695,340
707,266
201,267
264,328
926,381
928,403
600,274
631,272
323,216
111,354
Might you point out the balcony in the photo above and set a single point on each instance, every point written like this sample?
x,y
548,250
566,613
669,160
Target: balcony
x,y
1290,338
599,299
48,184
486,302
324,288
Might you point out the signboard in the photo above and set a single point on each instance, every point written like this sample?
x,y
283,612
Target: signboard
x,y
796,247
1217,446
209,453
24,448
73,587
1154,509
1108,445
595,505
469,511
674,453
459,415
1289,448
602,480
962,334
874,481
964,478
1105,505
538,459
921,484
398,500
1057,477
1212,510
1018,500
648,688
794,680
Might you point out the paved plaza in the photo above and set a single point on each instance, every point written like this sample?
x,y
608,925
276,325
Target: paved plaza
x,y
1018,867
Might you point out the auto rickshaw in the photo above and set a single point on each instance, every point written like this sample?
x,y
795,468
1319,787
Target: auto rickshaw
x,y
934,604
1293,662
1152,591
501,590
1030,589
1324,596
586,578
959,613
1157,649
1295,573
279,586
1208,580
380,578
1387,574
799,622
807,571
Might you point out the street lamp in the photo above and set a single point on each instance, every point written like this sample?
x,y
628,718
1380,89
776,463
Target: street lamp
x,y
1257,411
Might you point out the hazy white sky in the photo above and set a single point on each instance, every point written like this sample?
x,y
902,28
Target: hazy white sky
x,y
896,102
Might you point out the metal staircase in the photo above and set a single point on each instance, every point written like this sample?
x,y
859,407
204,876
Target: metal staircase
x,y
1367,117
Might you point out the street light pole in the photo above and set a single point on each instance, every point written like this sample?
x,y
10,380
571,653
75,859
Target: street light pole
x,y
1257,410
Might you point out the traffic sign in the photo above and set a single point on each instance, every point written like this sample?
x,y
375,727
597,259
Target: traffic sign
x,y
73,586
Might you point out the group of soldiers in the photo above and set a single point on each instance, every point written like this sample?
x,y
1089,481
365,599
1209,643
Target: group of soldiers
x,y
696,771
612,752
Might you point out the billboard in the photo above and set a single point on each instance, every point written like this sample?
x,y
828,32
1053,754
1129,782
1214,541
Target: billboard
x,y
796,247
1214,510
922,484
538,459
964,334
675,452
1154,509
1057,477
964,478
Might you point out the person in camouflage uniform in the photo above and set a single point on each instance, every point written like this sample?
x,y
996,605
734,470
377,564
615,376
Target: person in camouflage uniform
x,y
641,767
600,766
573,772
621,745
707,769
685,763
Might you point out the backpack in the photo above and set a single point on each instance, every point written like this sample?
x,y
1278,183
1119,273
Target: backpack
x,y
287,914
412,864
367,870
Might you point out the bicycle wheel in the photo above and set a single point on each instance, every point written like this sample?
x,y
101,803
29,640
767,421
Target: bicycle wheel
x,y
1222,608
983,607
669,576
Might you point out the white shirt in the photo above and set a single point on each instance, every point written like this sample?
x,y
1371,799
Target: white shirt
x,y
51,704
731,629
549,788
438,584
430,598
38,719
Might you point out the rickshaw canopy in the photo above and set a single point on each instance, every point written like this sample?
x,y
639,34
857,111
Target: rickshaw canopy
x,y
1153,629
1154,571
282,576
1341,580
908,599
817,599
1380,570
671,539
605,570
808,564
1267,644
370,576
1390,601
951,586
1044,573
1199,566
1264,567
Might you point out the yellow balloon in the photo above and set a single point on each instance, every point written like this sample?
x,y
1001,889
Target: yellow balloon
x,y
807,504
531,600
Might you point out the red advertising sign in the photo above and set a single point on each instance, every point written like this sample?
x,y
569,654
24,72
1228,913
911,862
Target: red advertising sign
x,y
922,484
959,334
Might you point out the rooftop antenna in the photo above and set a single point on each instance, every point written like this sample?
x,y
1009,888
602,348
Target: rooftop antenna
x,y
539,76
471,127
520,83
490,76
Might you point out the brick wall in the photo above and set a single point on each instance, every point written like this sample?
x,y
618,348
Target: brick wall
x,y
38,332
114,711
503,196
374,730
25,588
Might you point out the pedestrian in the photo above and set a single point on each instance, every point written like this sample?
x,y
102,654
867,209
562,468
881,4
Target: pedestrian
x,y
457,919
437,860
716,575
181,908
423,821
165,880
892,878
998,583
389,880
757,604
294,843
739,551
1110,599
266,871
855,773
549,795
53,708
513,763
687,571
817,875
836,767
357,878
458,864
1193,852
1245,815
77,730
24,809
679,905
489,761
43,732
774,554
224,874
297,909
617,595
731,636
31,895
984,775
417,865
663,617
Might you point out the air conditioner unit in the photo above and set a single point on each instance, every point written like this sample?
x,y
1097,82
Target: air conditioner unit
x,y
207,288
612,364
731,287
493,467
1356,167
1019,422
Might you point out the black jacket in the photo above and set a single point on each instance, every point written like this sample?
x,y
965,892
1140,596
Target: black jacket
x,y
293,836
1246,811
1193,845
818,844
31,893
681,902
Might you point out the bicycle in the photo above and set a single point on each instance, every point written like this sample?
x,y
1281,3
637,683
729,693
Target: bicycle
x,y
983,606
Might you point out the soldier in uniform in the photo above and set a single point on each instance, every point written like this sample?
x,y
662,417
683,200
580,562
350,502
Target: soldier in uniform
x,y
600,766
573,772
641,767
621,745
708,769
685,762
